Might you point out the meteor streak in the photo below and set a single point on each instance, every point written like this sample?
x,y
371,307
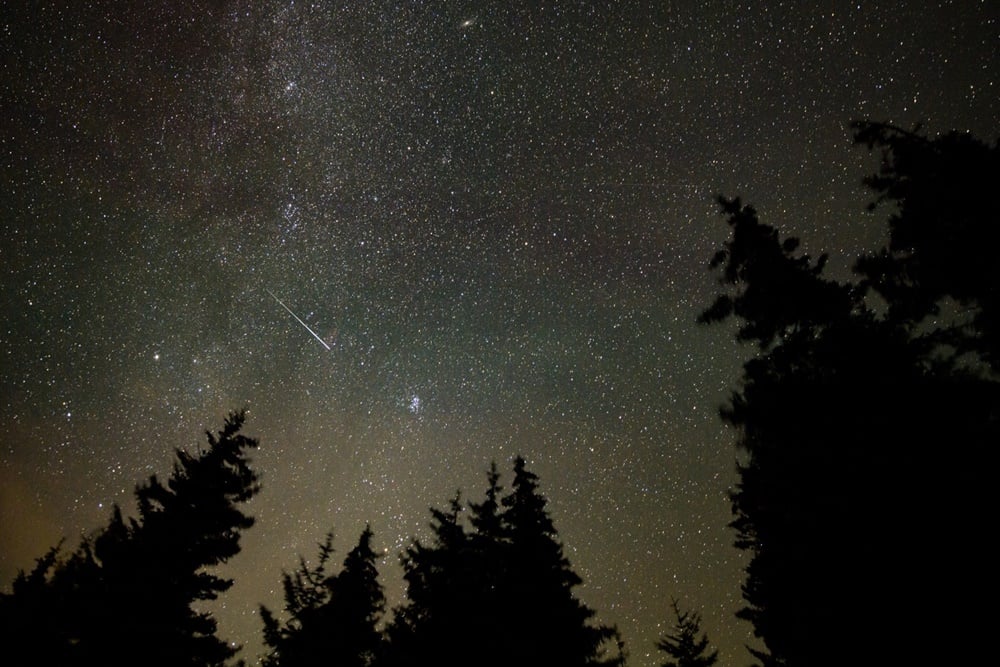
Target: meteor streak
x,y
315,335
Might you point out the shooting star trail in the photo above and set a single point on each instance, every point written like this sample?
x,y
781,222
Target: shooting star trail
x,y
315,335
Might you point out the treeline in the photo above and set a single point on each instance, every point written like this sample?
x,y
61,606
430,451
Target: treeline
x,y
126,596
491,587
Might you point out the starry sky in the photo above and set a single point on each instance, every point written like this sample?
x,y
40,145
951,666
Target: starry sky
x,y
415,237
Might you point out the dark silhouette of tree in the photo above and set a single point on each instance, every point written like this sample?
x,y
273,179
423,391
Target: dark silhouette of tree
x,y
943,233
780,295
500,593
130,595
332,618
553,626
33,617
446,611
861,491
683,645
485,517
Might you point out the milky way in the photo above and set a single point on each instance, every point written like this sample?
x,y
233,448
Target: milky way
x,y
495,217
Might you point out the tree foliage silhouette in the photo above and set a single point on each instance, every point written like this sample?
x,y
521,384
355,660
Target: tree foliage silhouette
x,y
496,590
128,595
683,645
943,233
332,618
866,438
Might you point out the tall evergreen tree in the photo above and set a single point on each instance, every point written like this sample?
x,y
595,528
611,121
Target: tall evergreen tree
x,y
863,437
683,645
442,620
552,626
128,596
332,619
500,593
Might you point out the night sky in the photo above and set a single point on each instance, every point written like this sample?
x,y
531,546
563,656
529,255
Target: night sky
x,y
415,237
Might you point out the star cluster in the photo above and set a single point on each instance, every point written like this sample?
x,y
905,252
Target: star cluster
x,y
494,217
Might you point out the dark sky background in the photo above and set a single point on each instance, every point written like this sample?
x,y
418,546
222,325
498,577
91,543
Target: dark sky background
x,y
497,217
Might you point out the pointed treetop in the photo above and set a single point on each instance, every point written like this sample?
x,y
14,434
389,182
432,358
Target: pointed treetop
x,y
683,645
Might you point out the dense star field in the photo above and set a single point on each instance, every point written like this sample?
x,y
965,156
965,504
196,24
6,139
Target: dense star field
x,y
412,238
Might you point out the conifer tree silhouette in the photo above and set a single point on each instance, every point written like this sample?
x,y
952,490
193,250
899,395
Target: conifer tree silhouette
x,y
861,433
332,618
943,234
442,619
499,592
128,595
683,645
552,625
